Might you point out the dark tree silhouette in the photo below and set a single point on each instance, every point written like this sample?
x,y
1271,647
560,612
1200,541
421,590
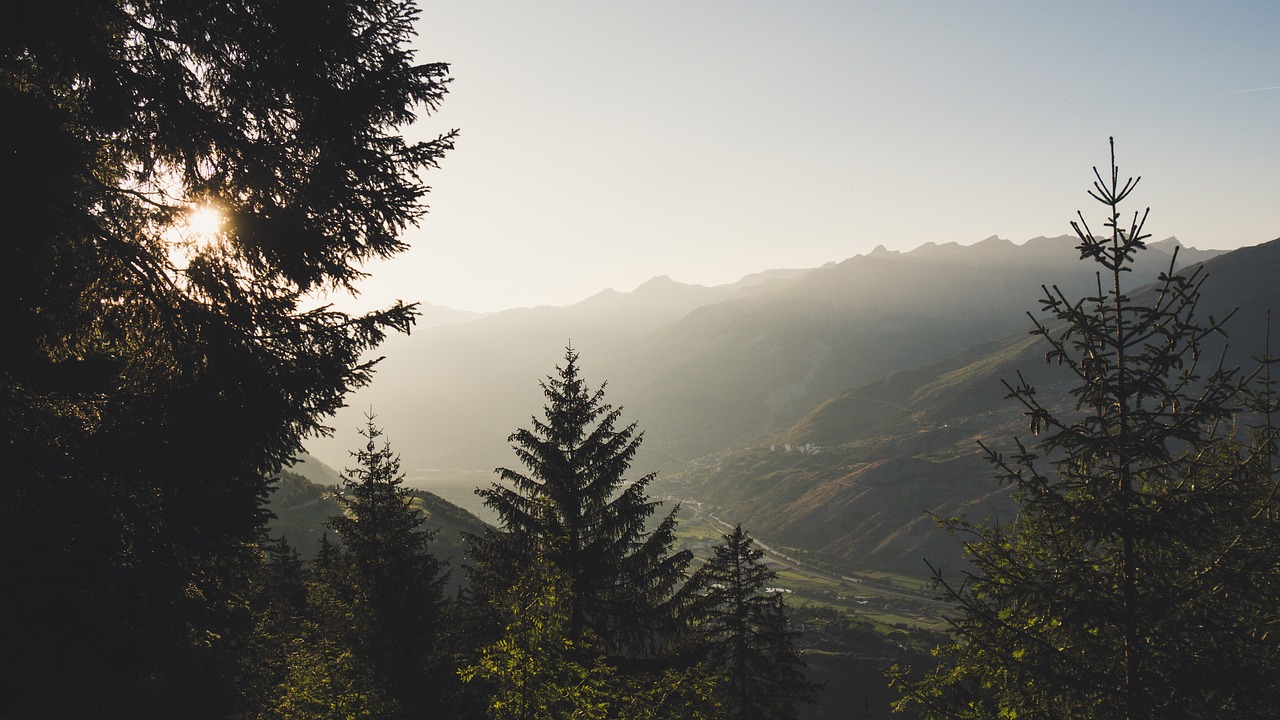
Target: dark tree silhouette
x,y
574,507
1136,580
394,582
152,376
279,605
741,631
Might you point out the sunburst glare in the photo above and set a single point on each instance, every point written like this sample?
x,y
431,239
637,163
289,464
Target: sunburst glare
x,y
194,232
203,224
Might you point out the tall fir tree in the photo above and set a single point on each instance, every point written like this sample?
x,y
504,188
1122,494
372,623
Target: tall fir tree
x,y
154,374
325,673
574,506
741,630
394,582
1135,581
531,668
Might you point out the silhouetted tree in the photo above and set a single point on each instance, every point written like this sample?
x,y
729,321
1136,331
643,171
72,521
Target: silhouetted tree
x,y
1136,580
741,630
152,377
574,507
394,583
531,668
284,580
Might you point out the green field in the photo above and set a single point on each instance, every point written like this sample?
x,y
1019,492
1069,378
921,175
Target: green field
x,y
890,602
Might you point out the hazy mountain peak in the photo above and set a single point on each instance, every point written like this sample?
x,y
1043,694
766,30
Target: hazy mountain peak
x,y
774,275
431,315
1187,255
1040,241
1168,244
606,293
660,283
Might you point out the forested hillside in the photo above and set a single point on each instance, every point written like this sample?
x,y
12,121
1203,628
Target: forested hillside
x,y
883,453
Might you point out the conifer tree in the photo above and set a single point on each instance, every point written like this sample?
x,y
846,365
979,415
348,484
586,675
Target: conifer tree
x,y
741,630
326,674
573,505
536,672
284,582
1136,580
394,582
152,374
532,667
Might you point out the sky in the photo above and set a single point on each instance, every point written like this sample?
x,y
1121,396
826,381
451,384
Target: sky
x,y
603,143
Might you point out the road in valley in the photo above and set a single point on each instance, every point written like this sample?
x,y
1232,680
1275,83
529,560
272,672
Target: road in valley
x,y
852,583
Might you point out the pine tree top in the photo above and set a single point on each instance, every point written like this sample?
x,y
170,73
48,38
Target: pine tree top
x,y
573,503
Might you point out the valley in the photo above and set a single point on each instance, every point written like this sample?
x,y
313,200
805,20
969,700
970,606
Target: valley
x,y
886,600
828,410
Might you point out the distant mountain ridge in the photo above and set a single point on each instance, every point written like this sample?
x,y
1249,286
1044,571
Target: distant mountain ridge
x,y
727,373
502,356
889,450
702,369
430,315
665,296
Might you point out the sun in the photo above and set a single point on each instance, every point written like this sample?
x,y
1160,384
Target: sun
x,y
204,222
195,230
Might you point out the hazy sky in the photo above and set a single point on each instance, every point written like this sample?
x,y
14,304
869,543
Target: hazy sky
x,y
604,142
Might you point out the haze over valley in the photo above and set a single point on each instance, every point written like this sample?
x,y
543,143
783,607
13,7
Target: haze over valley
x,y
825,408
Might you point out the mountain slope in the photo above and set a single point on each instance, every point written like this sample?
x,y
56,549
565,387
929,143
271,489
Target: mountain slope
x,y
749,366
699,368
302,501
851,480
450,395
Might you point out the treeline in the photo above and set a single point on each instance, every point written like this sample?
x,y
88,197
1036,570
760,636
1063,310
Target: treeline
x,y
574,607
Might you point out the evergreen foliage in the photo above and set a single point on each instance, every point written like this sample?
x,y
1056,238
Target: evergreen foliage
x,y
741,630
574,507
134,346
1137,579
393,582
531,667
356,633
280,610
537,672
326,674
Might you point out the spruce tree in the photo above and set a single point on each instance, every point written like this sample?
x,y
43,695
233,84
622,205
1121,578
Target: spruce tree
x,y
1136,580
279,606
153,376
394,583
573,505
741,630
284,579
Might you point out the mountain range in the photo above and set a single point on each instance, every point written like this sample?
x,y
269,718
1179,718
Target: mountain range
x,y
824,407
850,482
